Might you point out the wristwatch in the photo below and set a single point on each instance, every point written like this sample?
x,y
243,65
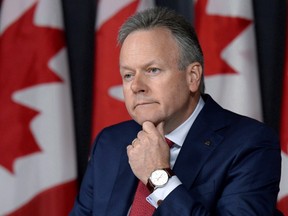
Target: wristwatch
x,y
159,178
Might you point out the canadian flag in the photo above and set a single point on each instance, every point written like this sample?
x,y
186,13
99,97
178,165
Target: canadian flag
x,y
226,33
283,195
108,106
37,157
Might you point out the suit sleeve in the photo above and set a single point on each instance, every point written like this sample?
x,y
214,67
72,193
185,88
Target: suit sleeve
x,y
249,185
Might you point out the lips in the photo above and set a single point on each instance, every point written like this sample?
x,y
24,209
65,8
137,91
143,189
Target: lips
x,y
144,104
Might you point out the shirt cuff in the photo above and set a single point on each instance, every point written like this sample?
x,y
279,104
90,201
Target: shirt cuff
x,y
160,194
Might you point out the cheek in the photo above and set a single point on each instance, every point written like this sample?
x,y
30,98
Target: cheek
x,y
128,101
126,91
127,97
177,95
177,87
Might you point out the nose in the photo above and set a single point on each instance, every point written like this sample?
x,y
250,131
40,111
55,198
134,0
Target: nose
x,y
138,84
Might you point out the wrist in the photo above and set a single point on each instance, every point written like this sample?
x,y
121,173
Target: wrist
x,y
159,178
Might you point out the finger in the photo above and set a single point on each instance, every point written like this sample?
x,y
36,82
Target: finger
x,y
152,131
149,127
133,142
129,147
141,135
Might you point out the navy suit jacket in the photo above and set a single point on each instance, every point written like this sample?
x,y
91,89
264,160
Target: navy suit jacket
x,y
228,164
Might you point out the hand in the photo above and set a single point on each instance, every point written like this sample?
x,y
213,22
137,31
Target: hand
x,y
149,151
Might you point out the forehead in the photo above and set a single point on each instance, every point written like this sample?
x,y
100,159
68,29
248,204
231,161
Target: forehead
x,y
149,45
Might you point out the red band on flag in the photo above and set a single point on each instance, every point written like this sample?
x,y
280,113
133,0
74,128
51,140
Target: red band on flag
x,y
283,202
57,201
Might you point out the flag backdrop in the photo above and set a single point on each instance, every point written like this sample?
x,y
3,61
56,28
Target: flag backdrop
x,y
231,70
45,97
283,195
108,106
37,157
267,20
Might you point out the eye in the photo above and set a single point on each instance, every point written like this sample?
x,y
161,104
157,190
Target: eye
x,y
153,70
127,76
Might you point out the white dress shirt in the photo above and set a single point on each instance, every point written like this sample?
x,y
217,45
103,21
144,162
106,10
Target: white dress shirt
x,y
177,136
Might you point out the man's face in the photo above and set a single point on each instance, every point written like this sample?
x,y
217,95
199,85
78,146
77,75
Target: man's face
x,y
154,88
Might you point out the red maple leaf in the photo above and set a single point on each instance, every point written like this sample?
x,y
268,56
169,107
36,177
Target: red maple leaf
x,y
25,50
215,33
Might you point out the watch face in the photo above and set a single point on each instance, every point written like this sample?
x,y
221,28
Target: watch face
x,y
159,178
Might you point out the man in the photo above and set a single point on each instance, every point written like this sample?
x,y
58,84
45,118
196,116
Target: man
x,y
220,163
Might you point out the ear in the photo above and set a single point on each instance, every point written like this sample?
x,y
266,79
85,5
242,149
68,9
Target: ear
x,y
194,73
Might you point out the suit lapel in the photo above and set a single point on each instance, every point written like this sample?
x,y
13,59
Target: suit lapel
x,y
200,142
197,148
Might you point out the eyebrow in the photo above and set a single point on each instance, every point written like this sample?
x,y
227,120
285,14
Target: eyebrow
x,y
144,66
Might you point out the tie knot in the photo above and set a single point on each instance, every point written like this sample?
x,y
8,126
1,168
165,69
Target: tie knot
x,y
169,142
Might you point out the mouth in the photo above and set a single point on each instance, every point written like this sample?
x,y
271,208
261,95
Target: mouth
x,y
143,104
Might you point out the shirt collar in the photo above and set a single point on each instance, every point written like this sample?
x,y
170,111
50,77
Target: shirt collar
x,y
178,135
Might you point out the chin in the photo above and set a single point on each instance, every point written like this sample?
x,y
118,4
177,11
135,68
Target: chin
x,y
140,121
146,115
